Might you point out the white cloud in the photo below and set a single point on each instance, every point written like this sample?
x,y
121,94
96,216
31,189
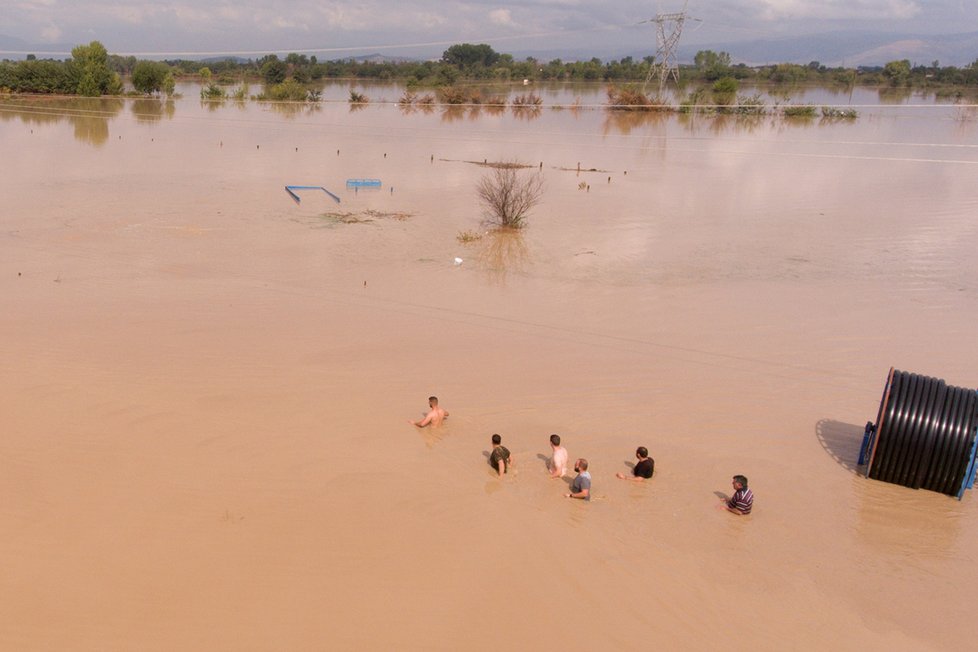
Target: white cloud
x,y
128,14
343,17
501,17
51,34
254,25
881,10
228,12
193,16
430,20
283,23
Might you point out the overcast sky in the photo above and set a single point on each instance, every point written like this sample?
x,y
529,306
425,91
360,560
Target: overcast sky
x,y
427,27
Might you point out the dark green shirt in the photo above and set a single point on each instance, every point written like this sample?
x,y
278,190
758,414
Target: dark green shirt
x,y
499,453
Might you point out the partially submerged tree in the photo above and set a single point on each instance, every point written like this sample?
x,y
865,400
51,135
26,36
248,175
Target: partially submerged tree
x,y
507,194
149,76
91,64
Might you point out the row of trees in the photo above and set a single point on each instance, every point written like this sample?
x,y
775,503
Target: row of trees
x,y
92,71
86,73
481,63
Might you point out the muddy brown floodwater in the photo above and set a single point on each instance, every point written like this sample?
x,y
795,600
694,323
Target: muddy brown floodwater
x,y
205,387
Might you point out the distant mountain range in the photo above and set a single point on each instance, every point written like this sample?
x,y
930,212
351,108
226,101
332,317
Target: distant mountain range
x,y
853,49
843,48
9,43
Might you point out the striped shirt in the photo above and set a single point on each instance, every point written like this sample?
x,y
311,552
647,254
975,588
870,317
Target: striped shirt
x,y
742,501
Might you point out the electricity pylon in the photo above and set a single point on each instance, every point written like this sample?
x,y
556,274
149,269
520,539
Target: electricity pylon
x,y
669,27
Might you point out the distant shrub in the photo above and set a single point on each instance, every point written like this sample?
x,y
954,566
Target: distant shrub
x,y
454,95
725,85
692,101
750,105
835,113
724,93
358,98
628,98
212,92
528,100
799,111
288,91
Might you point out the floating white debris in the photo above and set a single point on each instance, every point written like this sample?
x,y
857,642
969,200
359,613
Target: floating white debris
x,y
458,261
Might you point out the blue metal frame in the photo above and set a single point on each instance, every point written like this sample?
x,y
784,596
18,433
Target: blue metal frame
x,y
969,476
869,437
295,197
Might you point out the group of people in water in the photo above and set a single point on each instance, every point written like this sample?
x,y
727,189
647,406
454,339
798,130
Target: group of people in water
x,y
501,459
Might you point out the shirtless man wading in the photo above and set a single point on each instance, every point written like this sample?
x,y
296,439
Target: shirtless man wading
x,y
558,461
434,417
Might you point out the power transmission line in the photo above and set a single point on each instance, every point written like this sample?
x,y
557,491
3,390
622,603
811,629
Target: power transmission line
x,y
669,27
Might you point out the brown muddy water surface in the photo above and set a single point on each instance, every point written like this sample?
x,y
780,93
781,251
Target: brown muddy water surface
x,y
205,387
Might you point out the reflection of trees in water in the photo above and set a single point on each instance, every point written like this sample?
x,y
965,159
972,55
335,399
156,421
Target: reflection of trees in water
x,y
426,108
966,120
782,124
93,126
452,114
357,106
736,123
720,123
94,131
31,114
796,122
894,94
623,122
285,109
152,109
213,104
692,121
503,251
748,123
783,93
474,112
295,109
526,112
89,116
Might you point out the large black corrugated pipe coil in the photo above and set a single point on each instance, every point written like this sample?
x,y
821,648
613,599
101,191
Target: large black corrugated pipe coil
x,y
925,435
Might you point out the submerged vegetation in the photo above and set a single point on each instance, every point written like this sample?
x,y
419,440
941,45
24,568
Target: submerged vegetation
x,y
91,70
507,196
713,80
468,236
362,217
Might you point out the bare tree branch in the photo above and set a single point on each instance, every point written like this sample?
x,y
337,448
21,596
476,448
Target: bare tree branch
x,y
507,196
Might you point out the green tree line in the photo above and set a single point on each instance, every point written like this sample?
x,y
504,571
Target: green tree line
x,y
91,71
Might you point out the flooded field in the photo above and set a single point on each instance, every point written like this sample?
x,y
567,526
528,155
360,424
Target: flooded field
x,y
205,386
